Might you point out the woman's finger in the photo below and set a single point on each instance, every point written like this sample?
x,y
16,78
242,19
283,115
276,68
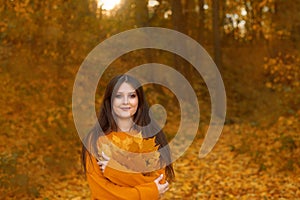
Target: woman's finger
x,y
162,188
165,185
165,189
102,162
105,156
159,178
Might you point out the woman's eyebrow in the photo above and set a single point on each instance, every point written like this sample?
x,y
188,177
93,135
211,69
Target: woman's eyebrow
x,y
133,92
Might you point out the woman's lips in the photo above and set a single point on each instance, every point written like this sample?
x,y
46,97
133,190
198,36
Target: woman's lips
x,y
125,108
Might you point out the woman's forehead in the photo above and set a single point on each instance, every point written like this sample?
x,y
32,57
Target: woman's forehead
x,y
126,88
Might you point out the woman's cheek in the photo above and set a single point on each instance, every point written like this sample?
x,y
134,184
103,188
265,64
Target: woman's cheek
x,y
135,105
117,102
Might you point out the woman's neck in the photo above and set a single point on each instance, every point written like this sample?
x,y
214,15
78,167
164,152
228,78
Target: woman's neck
x,y
125,125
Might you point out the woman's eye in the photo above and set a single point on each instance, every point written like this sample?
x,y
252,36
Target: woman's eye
x,y
132,96
118,96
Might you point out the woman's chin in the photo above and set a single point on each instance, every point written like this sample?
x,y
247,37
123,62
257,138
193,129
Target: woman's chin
x,y
124,116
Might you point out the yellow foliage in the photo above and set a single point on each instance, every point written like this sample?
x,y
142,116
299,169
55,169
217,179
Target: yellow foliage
x,y
282,72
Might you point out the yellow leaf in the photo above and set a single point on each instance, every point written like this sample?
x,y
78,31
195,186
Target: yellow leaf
x,y
126,143
116,139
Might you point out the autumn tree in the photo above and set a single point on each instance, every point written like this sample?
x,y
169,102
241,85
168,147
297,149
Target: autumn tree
x,y
216,33
141,13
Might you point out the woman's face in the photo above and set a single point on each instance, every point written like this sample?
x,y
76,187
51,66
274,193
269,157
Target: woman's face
x,y
125,102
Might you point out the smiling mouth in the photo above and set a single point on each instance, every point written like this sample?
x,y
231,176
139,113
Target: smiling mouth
x,y
125,109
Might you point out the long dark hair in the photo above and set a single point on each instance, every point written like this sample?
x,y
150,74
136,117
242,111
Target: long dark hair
x,y
141,119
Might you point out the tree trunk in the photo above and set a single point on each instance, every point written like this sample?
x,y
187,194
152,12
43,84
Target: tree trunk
x,y
201,28
141,13
178,19
178,23
190,16
216,34
217,54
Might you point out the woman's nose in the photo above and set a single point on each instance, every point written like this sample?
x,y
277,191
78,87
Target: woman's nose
x,y
125,100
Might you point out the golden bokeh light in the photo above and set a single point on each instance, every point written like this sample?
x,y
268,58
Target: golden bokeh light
x,y
108,4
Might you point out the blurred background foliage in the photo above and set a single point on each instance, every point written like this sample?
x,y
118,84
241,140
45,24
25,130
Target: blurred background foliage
x,y
254,43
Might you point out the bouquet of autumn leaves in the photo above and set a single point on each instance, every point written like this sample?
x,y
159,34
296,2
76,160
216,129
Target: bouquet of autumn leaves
x,y
130,152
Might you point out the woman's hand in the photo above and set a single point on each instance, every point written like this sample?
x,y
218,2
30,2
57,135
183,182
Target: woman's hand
x,y
103,163
162,188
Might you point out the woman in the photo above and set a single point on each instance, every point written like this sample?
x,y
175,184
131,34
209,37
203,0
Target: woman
x,y
125,110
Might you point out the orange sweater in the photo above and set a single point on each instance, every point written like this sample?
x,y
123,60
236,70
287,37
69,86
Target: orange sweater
x,y
119,185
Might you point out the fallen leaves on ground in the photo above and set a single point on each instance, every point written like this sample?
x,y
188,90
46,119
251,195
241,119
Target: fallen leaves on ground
x,y
228,173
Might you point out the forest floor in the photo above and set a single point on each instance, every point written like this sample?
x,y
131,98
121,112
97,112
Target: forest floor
x,y
256,157
247,163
